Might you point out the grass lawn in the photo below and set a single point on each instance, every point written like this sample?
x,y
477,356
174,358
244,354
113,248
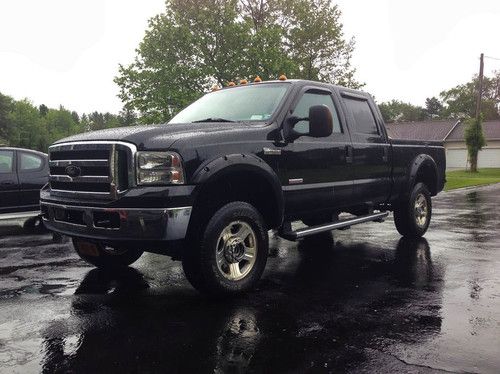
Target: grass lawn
x,y
462,178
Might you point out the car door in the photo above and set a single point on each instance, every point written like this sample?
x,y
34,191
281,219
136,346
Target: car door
x,y
371,152
9,185
33,174
318,176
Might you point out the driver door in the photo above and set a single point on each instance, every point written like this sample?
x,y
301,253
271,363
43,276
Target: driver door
x,y
317,175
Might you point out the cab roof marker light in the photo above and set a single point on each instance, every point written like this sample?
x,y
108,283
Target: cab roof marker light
x,y
243,81
231,84
282,77
257,79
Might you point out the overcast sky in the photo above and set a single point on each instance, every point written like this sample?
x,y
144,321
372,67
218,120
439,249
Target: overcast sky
x,y
67,51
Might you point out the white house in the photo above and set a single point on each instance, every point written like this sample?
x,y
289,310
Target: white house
x,y
451,133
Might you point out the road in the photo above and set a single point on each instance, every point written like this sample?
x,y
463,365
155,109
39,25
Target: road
x,y
360,300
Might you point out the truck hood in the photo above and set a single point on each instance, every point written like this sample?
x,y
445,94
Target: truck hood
x,y
159,136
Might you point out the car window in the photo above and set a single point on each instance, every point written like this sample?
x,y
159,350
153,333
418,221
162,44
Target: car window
x,y
6,161
308,100
30,162
364,121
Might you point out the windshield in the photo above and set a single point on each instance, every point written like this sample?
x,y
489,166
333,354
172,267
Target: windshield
x,y
242,103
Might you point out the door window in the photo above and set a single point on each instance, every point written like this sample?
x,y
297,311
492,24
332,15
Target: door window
x,y
364,121
308,100
30,162
6,161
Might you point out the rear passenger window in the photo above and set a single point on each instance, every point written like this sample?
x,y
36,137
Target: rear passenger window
x,y
364,121
6,161
308,100
30,162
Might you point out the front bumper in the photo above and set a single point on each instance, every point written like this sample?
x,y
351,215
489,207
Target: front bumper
x,y
117,224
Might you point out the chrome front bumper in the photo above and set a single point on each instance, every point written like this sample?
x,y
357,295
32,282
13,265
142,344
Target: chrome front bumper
x,y
128,224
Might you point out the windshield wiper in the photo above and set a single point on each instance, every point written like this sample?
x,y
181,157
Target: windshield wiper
x,y
213,119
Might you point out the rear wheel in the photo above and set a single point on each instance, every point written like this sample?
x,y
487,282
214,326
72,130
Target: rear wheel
x,y
413,215
229,253
103,256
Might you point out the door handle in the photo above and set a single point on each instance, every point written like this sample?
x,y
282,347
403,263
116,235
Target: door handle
x,y
7,183
348,154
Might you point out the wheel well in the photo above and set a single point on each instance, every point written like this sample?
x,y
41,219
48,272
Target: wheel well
x,y
245,186
427,175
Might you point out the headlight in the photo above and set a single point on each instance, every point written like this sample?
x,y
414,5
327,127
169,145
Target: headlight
x,y
159,168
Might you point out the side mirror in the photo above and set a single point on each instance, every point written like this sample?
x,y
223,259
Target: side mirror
x,y
320,124
320,121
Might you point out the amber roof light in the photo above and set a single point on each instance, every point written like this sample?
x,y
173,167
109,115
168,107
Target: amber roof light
x,y
257,79
231,84
282,77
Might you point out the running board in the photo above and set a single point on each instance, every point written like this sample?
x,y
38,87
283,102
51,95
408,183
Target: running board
x,y
346,223
18,215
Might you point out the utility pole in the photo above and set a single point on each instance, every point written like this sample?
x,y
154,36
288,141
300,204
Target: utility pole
x,y
480,88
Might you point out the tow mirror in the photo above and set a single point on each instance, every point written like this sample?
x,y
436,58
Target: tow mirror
x,y
320,121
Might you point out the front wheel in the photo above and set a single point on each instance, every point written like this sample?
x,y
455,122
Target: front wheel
x,y
105,257
413,215
228,254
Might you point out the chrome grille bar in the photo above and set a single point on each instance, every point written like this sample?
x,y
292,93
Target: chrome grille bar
x,y
92,169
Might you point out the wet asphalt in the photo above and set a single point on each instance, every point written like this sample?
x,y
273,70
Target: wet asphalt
x,y
360,300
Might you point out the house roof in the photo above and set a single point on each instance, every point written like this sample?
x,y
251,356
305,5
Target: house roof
x,y
491,130
427,130
447,130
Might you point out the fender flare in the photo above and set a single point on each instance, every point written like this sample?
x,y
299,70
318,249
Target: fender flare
x,y
418,162
225,165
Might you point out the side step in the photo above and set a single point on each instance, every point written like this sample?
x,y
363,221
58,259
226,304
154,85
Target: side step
x,y
18,215
300,233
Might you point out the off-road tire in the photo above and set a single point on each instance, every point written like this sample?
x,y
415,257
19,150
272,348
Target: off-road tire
x,y
200,259
406,216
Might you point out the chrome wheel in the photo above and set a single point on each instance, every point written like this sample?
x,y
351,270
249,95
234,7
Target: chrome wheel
x,y
236,250
421,210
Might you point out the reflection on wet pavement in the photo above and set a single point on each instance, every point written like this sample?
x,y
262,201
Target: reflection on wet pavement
x,y
357,300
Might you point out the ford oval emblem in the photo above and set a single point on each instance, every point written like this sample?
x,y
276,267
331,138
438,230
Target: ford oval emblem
x,y
73,171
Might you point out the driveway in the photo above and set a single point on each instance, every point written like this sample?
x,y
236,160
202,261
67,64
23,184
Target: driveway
x,y
358,300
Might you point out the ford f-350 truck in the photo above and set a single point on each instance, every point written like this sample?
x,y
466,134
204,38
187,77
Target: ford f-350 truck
x,y
207,187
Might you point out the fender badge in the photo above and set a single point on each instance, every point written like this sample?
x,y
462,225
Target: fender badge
x,y
271,151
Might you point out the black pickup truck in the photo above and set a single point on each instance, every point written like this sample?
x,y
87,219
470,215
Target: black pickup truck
x,y
206,187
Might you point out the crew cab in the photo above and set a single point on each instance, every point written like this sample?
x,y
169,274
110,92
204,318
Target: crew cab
x,y
207,187
23,172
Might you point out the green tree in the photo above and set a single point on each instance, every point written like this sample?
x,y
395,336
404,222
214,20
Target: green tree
x,y
195,44
59,123
474,138
25,130
433,107
460,101
43,110
6,103
127,117
315,41
398,111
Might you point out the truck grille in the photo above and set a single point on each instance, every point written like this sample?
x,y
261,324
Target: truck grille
x,y
92,169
